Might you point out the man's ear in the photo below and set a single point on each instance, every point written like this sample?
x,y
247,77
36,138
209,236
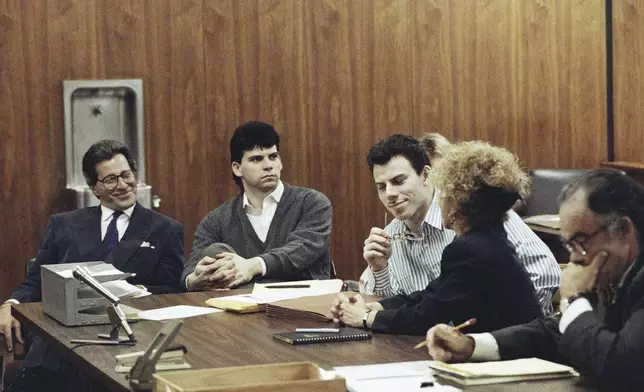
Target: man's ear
x,y
236,170
425,174
625,226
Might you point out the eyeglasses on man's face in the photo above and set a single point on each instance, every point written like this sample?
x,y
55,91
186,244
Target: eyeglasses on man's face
x,y
579,245
111,182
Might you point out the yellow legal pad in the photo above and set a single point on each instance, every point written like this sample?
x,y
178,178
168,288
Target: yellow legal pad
x,y
496,372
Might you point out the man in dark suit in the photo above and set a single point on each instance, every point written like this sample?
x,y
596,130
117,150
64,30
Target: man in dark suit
x,y
600,329
119,231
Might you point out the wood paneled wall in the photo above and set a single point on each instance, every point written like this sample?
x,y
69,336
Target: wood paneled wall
x,y
333,76
628,80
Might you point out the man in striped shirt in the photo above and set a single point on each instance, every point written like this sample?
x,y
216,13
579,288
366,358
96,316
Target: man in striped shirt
x,y
405,256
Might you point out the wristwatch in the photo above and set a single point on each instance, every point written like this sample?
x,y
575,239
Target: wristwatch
x,y
364,319
566,302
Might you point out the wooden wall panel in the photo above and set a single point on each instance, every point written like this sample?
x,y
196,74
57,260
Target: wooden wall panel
x,y
628,79
527,75
178,154
16,213
333,76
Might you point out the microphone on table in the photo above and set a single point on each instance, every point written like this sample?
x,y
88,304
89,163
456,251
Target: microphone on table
x,y
83,274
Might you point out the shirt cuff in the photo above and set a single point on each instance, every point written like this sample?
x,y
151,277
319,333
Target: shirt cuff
x,y
576,308
12,301
485,347
262,263
381,279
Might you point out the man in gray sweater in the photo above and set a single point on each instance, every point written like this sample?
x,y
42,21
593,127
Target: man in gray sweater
x,y
271,231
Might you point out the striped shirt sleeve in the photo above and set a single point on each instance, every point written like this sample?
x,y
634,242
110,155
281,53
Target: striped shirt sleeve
x,y
537,258
377,282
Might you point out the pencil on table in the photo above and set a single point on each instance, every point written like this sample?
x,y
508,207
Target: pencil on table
x,y
469,322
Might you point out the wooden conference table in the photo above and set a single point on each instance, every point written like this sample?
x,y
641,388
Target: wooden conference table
x,y
227,339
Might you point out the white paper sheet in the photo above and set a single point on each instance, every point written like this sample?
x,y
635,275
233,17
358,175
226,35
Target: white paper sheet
x,y
125,290
399,376
176,312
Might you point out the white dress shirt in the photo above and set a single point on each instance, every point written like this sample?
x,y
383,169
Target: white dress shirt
x,y
261,220
121,224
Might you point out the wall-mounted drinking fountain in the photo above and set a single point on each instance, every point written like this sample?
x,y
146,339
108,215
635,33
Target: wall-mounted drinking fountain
x,y
97,110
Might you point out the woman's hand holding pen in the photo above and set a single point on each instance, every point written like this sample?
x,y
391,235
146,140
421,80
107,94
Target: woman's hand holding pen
x,y
377,249
448,344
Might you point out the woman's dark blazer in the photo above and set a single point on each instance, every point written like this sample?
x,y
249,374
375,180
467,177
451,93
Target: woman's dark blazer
x,y
481,277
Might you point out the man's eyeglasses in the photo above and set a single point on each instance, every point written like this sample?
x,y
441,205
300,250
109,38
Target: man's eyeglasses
x,y
111,182
407,236
575,245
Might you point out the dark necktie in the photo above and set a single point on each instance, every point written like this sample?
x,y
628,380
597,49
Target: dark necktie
x,y
111,235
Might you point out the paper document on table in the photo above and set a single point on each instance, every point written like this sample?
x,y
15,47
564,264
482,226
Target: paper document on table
x,y
125,290
176,312
274,292
495,372
260,298
402,376
515,367
299,288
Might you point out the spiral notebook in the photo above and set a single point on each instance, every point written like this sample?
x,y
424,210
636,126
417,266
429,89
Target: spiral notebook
x,y
344,335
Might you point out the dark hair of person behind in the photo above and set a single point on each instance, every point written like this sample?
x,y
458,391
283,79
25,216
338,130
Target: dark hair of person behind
x,y
398,145
104,150
488,206
249,136
610,192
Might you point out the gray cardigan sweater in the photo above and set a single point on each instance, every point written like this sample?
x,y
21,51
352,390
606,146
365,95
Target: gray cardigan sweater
x,y
297,243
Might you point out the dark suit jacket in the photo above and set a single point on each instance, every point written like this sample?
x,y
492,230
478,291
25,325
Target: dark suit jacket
x,y
606,344
75,236
480,277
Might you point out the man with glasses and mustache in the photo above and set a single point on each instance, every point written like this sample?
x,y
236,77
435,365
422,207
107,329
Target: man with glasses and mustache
x,y
271,231
119,231
600,328
404,256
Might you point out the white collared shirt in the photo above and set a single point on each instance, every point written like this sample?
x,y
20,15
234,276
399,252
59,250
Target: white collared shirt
x,y
261,220
121,224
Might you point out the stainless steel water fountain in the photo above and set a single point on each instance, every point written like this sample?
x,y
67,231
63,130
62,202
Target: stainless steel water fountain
x,y
103,109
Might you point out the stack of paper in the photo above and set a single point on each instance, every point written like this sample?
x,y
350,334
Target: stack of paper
x,y
315,308
495,372
273,292
171,359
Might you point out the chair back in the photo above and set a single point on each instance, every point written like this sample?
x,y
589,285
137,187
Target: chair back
x,y
546,187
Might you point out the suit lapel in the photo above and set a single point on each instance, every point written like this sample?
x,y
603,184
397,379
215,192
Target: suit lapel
x,y
137,231
87,230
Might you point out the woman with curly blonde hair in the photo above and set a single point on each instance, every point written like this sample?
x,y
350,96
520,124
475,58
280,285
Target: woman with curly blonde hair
x,y
481,276
479,183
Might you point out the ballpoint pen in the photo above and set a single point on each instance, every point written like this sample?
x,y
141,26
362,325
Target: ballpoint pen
x,y
469,322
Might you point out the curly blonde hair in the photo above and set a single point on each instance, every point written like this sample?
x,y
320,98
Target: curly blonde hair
x,y
482,180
